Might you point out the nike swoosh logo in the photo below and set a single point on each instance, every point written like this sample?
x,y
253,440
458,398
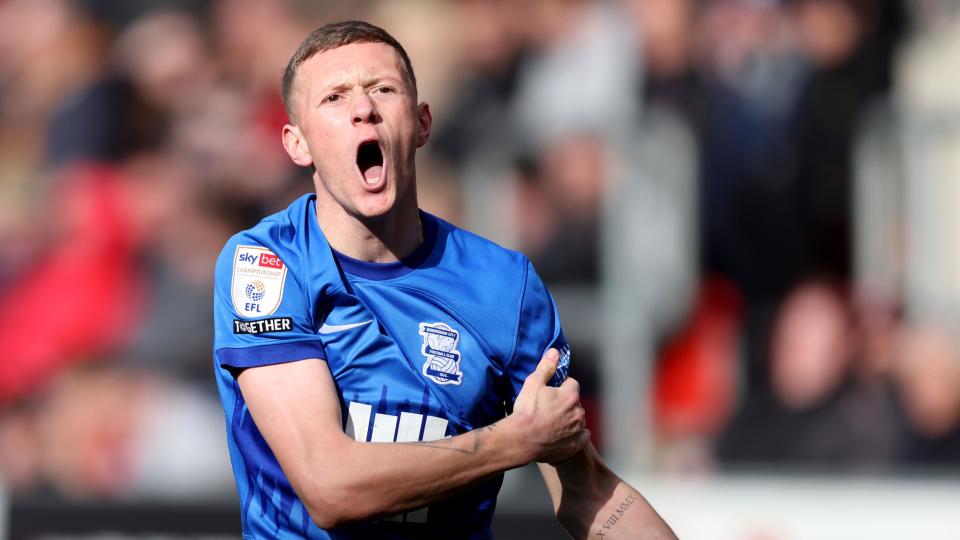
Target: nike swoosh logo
x,y
334,328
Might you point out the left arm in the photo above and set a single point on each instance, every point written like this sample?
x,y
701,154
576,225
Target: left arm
x,y
590,501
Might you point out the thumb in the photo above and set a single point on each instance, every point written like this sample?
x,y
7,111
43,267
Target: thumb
x,y
546,368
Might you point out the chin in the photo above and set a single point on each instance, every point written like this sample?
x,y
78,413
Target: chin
x,y
375,209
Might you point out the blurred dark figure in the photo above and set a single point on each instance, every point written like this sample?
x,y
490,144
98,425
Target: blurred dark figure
x,y
93,121
667,30
785,90
559,208
850,45
928,377
491,50
814,414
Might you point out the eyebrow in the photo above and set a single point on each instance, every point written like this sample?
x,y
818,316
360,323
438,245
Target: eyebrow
x,y
366,82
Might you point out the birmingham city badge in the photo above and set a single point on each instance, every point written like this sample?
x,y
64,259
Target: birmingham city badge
x,y
440,349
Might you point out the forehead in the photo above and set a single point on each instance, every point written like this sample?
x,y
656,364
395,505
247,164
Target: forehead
x,y
351,63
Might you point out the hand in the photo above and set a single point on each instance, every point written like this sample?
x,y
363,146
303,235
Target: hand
x,y
552,419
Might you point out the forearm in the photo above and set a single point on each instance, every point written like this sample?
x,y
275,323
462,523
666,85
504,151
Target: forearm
x,y
373,479
624,514
592,502
340,480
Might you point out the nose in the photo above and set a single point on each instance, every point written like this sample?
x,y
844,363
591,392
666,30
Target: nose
x,y
364,110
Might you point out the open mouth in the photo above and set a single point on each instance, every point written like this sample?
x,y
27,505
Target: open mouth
x,y
370,161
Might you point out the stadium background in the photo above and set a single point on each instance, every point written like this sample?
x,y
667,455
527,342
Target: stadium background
x,y
746,209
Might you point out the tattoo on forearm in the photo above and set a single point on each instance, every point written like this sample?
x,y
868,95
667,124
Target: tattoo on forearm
x,y
447,443
625,505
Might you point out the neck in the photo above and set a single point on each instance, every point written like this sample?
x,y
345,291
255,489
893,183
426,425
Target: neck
x,y
386,238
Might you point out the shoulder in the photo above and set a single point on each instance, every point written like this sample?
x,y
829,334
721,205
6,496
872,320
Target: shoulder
x,y
274,242
475,252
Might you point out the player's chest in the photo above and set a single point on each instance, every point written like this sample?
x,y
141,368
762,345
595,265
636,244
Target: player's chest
x,y
409,357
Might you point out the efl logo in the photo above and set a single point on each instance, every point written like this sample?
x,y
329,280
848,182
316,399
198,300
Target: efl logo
x,y
270,261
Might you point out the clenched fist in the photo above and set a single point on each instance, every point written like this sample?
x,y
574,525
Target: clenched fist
x,y
553,420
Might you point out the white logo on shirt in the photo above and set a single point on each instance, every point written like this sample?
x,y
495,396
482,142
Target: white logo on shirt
x,y
334,328
390,428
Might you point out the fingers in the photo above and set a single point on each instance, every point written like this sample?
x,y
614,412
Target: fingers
x,y
574,420
581,416
540,377
572,385
546,368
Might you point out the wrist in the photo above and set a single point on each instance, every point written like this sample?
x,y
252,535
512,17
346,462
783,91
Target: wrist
x,y
517,443
586,470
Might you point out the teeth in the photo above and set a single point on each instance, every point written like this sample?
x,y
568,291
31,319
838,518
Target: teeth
x,y
372,175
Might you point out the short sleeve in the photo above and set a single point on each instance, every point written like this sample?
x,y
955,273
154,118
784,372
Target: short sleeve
x,y
538,329
261,313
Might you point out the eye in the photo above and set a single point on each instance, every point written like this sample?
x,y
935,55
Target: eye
x,y
386,90
332,98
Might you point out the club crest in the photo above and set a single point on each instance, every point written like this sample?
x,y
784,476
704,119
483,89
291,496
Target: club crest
x,y
440,349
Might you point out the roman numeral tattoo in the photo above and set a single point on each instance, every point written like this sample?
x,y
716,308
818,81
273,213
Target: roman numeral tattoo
x,y
625,505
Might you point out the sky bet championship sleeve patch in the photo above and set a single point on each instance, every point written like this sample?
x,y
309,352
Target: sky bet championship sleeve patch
x,y
258,278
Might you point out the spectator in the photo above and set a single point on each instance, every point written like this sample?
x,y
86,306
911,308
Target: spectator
x,y
811,414
928,377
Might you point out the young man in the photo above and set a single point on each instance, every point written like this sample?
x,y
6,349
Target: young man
x,y
367,352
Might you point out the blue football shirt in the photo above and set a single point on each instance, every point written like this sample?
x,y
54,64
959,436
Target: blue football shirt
x,y
431,346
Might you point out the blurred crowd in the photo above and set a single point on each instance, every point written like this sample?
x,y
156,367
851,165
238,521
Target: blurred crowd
x,y
760,157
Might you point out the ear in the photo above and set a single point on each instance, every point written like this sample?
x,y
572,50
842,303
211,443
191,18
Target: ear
x,y
424,123
296,146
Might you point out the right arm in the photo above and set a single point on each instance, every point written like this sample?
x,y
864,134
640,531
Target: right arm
x,y
341,480
590,501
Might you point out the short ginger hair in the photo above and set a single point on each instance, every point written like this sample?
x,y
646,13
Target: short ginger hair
x,y
333,35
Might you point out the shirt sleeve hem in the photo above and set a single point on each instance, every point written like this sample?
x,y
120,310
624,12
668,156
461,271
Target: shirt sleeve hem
x,y
265,355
